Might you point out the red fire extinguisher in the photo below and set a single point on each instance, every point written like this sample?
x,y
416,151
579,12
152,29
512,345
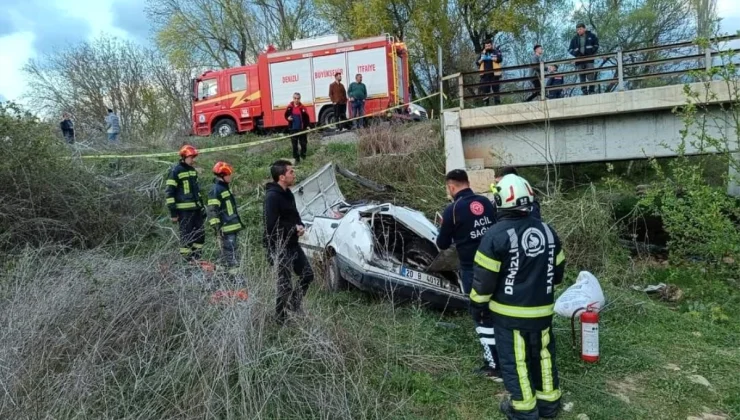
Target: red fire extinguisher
x,y
589,333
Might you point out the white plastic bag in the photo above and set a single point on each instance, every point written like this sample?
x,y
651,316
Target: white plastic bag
x,y
586,291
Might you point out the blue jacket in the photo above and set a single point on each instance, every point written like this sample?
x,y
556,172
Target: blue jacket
x,y
464,222
591,46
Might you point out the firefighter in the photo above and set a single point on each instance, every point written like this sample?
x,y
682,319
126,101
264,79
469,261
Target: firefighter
x,y
464,222
185,204
517,266
536,212
224,217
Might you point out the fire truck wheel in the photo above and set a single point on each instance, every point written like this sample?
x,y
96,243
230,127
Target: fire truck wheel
x,y
327,115
224,128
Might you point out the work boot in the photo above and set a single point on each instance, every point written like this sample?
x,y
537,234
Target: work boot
x,y
487,372
508,410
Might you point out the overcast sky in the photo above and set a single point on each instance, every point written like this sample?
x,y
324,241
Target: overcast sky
x,y
31,27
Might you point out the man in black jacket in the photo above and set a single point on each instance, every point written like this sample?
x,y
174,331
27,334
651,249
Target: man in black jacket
x,y
464,222
283,226
584,44
518,264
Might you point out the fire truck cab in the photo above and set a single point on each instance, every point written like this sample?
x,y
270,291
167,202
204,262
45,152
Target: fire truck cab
x,y
254,97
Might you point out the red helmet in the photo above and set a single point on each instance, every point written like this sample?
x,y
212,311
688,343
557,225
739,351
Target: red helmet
x,y
187,151
222,169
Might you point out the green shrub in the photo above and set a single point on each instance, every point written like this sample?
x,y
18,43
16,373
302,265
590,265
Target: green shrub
x,y
50,197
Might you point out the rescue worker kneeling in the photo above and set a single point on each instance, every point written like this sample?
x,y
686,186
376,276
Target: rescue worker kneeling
x,y
224,217
517,266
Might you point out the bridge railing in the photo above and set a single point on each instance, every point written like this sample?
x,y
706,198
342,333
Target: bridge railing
x,y
614,71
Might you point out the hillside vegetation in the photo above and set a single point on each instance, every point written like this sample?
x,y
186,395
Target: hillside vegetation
x,y
100,320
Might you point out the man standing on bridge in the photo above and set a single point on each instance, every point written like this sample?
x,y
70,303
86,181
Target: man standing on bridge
x,y
490,61
584,44
464,222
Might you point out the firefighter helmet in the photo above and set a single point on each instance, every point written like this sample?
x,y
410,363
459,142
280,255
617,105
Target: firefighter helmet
x,y
187,151
222,169
513,192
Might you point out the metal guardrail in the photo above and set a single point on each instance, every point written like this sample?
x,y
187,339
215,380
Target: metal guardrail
x,y
619,63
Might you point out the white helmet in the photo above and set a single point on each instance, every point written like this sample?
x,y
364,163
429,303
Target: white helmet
x,y
513,192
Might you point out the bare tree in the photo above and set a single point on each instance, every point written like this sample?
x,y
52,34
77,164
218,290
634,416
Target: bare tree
x,y
705,12
148,94
225,33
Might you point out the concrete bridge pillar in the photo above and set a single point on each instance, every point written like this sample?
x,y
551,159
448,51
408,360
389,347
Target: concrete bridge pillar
x,y
453,141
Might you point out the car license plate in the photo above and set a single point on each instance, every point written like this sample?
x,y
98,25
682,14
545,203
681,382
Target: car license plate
x,y
418,275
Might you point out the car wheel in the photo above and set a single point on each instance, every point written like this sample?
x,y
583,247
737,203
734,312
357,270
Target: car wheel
x,y
225,128
334,280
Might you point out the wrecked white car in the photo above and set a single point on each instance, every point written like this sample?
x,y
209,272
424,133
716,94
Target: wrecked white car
x,y
379,247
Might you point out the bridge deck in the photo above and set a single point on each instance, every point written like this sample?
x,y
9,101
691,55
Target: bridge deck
x,y
633,101
606,127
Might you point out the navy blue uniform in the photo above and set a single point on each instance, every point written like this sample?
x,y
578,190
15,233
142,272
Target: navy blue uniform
x,y
464,222
518,265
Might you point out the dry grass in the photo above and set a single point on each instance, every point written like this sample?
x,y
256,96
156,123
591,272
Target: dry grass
x,y
390,139
94,336
49,197
587,229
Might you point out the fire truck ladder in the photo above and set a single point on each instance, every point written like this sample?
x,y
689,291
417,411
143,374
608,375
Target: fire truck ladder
x,y
394,64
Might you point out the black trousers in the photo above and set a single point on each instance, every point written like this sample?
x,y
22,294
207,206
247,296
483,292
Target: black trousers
x,y
289,296
537,85
529,370
192,234
301,138
494,87
340,114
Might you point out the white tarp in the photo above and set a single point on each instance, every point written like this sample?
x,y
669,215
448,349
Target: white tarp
x,y
288,77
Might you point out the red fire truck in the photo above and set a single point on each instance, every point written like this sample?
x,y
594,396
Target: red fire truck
x,y
254,97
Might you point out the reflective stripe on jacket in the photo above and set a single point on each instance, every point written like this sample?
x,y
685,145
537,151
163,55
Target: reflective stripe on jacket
x,y
517,266
182,191
222,210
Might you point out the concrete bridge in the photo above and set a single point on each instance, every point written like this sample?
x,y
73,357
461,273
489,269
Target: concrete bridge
x,y
614,126
627,122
